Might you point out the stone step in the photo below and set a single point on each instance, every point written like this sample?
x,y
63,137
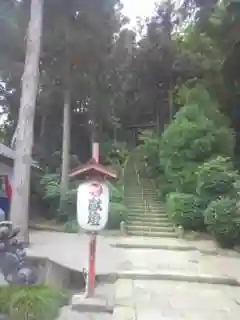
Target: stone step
x,y
140,203
153,197
137,201
147,210
175,275
134,196
144,228
144,199
136,190
139,197
148,216
149,223
149,219
153,234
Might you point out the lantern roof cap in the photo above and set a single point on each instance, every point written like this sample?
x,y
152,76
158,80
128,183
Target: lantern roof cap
x,y
93,168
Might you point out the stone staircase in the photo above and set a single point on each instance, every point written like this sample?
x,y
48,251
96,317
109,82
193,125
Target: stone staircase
x,y
146,214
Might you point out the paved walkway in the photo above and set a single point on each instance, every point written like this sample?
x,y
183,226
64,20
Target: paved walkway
x,y
138,299
141,300
71,250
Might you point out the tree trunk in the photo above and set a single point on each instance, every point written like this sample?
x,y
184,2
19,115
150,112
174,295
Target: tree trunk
x,y
43,125
171,102
66,123
24,141
65,145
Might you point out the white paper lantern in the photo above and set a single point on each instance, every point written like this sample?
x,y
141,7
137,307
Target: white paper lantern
x,y
92,205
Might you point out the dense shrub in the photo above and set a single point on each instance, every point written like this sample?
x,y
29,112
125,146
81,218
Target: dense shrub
x,y
113,151
164,187
117,209
149,150
31,302
198,132
223,221
186,210
71,226
189,94
117,213
217,177
51,195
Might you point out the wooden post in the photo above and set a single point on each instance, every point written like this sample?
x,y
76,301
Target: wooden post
x,y
90,285
95,151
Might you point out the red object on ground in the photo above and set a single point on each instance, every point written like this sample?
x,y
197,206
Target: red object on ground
x,y
8,188
92,258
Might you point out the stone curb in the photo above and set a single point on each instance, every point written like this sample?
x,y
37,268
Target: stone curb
x,y
164,275
124,313
92,305
42,227
176,276
154,246
210,252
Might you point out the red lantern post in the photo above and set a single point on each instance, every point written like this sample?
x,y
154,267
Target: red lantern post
x,y
92,207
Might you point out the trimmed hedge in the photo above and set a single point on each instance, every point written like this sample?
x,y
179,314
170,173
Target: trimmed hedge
x,y
223,221
186,210
217,178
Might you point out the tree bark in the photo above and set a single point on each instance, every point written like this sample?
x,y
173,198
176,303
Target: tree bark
x,y
66,123
43,125
65,144
24,140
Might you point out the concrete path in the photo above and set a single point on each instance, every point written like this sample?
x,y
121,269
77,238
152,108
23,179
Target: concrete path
x,y
144,267
141,300
138,299
71,250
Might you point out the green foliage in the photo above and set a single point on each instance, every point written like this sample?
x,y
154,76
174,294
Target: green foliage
x,y
117,213
31,302
192,138
117,210
223,220
185,144
114,150
186,210
163,186
216,178
149,149
71,226
50,184
51,194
